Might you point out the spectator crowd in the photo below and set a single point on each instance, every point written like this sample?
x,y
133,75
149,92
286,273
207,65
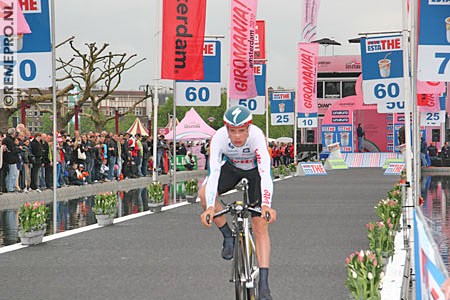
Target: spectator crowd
x,y
26,160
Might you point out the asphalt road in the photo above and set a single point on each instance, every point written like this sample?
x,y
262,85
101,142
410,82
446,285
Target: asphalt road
x,y
169,255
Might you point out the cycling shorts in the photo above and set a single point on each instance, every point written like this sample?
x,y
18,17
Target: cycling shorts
x,y
230,177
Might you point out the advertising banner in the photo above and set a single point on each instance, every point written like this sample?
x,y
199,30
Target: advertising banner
x,y
260,41
434,41
282,108
183,31
243,23
340,134
430,273
257,105
309,19
382,65
311,169
306,84
204,92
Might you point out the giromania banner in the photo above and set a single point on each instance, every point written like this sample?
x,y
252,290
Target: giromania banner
x,y
309,19
243,23
307,74
182,39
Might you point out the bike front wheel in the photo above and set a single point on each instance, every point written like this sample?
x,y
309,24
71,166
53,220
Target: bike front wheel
x,y
243,265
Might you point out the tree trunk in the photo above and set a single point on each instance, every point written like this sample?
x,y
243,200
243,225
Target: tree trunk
x,y
100,126
4,117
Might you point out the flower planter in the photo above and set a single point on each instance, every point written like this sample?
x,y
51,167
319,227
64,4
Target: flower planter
x,y
293,174
155,207
281,176
191,199
104,220
31,237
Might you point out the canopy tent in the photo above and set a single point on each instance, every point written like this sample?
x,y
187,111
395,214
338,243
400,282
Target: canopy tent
x,y
137,127
285,139
192,127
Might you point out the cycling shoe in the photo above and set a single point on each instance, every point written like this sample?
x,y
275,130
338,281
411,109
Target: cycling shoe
x,y
265,295
228,248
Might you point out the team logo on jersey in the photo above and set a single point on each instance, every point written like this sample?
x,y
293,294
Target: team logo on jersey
x,y
246,150
258,156
230,145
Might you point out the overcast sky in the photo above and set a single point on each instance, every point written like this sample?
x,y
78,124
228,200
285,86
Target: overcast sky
x,y
129,26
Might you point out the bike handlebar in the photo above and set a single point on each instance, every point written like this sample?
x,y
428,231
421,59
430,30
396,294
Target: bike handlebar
x,y
229,209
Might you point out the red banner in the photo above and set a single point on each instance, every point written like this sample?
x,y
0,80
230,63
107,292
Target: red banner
x,y
260,41
243,22
182,39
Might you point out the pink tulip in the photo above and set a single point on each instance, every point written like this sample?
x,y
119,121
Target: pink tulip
x,y
361,256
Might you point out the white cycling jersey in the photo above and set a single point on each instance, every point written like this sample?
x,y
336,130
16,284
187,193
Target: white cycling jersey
x,y
253,153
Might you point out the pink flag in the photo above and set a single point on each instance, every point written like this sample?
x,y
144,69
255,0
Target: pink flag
x,y
430,87
309,19
243,22
307,77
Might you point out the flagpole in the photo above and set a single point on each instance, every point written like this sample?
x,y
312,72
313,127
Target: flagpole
x,y
409,104
174,157
156,96
54,112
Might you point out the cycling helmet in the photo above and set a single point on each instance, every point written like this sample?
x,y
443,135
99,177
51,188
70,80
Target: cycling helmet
x,y
237,116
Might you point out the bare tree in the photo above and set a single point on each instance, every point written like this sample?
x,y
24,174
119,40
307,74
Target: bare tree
x,y
97,67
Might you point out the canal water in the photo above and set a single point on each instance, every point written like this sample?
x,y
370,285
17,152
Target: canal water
x,y
436,209
77,212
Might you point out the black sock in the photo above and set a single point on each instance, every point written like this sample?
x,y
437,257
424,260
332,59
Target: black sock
x,y
226,231
264,278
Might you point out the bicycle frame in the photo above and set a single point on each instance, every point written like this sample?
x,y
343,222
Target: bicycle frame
x,y
245,271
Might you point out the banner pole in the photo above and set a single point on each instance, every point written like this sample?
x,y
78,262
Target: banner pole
x,y
156,96
174,142
54,87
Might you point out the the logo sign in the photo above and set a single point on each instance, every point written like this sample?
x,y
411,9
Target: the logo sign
x,y
256,105
282,108
382,62
434,41
205,92
394,169
312,169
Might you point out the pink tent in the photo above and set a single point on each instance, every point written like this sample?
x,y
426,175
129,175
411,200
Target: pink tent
x,y
192,127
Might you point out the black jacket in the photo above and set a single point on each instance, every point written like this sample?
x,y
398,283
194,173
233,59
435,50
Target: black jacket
x,y
12,150
36,151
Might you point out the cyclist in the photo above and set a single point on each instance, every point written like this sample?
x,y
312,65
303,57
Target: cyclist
x,y
239,150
